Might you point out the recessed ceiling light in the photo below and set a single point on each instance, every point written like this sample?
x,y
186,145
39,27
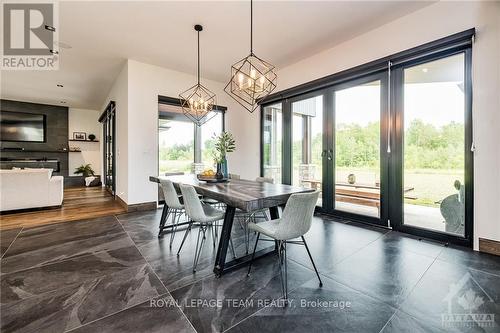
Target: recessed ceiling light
x,y
425,70
60,85
62,102
64,45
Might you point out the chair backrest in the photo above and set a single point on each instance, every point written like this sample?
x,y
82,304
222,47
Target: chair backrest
x,y
264,180
297,215
192,203
170,194
234,176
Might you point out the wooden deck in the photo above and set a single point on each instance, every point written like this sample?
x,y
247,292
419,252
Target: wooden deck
x,y
79,203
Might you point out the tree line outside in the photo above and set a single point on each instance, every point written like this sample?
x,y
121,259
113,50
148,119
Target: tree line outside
x,y
179,157
433,157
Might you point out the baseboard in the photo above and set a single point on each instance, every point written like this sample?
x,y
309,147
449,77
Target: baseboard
x,y
137,207
29,210
142,206
489,246
121,202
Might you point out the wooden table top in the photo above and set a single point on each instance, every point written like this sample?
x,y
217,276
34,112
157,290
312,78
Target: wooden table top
x,y
247,195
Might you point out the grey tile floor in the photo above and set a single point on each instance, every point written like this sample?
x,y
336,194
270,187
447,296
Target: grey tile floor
x,y
114,274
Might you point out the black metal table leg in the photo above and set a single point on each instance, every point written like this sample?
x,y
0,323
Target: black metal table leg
x,y
163,218
221,266
274,212
220,260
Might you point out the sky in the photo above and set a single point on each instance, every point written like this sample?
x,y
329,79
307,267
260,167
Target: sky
x,y
434,96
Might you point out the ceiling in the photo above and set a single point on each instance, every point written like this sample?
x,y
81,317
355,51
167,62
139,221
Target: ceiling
x,y
102,35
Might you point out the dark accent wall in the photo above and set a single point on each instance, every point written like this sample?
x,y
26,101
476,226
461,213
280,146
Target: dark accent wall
x,y
56,144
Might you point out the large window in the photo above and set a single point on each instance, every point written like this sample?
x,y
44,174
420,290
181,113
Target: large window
x,y
176,145
357,149
272,142
307,142
184,147
434,139
387,142
212,127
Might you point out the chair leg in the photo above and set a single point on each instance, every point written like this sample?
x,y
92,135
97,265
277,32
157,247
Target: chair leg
x,y
196,249
286,270
283,268
175,221
232,247
184,238
253,254
197,252
312,261
247,239
213,227
280,265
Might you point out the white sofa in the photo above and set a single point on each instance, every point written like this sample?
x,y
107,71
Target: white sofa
x,y
29,188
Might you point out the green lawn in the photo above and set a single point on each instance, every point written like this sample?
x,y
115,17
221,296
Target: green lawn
x,y
175,166
430,185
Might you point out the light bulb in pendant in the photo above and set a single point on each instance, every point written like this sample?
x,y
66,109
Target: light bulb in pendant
x,y
252,73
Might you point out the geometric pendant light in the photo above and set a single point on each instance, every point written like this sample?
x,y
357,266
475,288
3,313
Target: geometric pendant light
x,y
251,78
198,102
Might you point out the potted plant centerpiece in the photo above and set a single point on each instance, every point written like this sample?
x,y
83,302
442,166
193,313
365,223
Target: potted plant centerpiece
x,y
224,143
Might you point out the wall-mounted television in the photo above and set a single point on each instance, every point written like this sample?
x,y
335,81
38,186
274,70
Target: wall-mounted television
x,y
22,127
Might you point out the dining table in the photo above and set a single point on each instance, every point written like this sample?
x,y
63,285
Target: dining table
x,y
245,195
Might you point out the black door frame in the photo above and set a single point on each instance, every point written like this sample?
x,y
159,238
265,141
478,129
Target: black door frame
x,y
384,158
289,119
108,119
459,42
396,166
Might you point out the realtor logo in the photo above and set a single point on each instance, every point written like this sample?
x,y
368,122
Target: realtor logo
x,y
467,305
29,33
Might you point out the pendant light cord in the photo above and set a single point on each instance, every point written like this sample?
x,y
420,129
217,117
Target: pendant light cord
x,y
198,57
251,27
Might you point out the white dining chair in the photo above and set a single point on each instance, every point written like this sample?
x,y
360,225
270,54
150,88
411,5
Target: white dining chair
x,y
175,207
295,222
201,214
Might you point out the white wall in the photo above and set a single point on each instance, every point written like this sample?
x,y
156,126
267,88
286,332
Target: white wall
x,y
430,23
146,82
135,92
81,120
119,94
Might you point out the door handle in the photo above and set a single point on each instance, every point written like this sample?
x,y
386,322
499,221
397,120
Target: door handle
x,y
323,153
330,154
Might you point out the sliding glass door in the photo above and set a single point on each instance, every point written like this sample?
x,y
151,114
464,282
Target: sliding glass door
x,y
272,142
435,140
357,147
307,142
386,143
109,146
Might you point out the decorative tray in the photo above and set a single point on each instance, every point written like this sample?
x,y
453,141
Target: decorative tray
x,y
212,179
